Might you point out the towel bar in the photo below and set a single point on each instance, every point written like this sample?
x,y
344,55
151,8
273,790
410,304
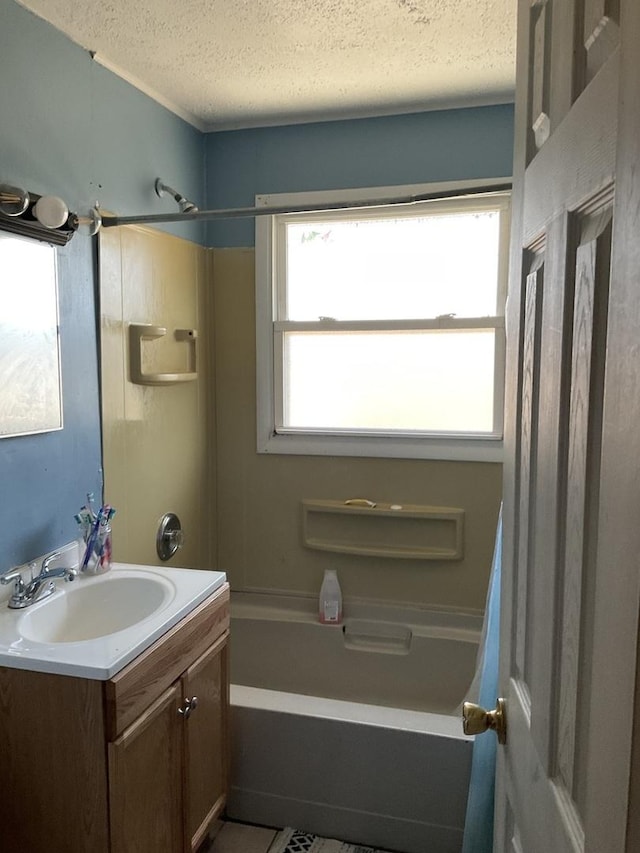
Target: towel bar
x,y
139,332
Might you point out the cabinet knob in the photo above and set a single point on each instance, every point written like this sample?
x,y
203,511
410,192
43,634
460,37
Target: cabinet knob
x,y
188,706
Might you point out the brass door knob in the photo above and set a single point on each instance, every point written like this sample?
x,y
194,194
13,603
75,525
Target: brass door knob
x,y
476,720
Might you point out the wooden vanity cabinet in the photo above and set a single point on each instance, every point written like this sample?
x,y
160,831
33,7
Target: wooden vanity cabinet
x,y
165,784
145,780
206,735
118,766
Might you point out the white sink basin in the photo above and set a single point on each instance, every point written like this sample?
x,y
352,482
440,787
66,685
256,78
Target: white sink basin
x,y
95,625
86,612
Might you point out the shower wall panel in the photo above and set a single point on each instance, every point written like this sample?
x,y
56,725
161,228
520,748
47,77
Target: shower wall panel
x,y
156,438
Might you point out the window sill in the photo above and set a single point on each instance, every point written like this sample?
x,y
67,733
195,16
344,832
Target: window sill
x,y
452,449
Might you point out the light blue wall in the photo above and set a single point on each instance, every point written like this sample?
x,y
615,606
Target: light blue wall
x,y
432,146
71,128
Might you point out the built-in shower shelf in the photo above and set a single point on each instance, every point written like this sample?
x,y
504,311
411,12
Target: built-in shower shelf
x,y
401,531
139,332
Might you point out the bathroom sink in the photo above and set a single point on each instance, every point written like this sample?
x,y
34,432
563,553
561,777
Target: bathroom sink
x,y
95,625
86,612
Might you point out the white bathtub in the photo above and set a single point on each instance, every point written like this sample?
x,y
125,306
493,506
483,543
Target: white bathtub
x,y
351,733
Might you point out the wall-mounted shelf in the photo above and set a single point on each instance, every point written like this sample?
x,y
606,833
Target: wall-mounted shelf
x,y
139,332
407,531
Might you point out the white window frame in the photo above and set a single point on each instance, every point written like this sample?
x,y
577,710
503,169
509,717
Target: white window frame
x,y
271,437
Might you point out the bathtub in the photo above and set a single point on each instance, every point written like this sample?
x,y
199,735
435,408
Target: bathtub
x,y
352,732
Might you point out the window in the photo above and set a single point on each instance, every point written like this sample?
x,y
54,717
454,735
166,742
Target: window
x,y
380,330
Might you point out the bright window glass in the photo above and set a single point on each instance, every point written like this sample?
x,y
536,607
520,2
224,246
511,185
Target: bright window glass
x,y
390,267
425,381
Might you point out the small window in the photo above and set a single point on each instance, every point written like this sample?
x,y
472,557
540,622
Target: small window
x,y
381,329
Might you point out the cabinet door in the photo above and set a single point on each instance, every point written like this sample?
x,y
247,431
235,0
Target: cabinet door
x,y
205,741
145,780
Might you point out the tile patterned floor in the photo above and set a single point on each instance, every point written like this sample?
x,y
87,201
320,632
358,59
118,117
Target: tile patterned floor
x,y
228,837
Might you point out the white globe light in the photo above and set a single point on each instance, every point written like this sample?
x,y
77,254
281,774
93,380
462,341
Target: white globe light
x,y
51,211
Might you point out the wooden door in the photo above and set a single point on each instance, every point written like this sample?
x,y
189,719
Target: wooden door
x,y
205,741
572,490
145,780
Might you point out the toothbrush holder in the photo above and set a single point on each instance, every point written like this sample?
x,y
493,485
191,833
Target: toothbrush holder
x,y
98,560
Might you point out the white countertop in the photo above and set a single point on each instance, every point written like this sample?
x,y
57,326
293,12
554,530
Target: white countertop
x,y
102,657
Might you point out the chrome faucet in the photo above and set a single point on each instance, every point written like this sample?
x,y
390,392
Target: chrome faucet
x,y
40,586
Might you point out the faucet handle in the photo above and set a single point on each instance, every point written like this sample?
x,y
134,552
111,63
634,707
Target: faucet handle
x,y
14,574
54,555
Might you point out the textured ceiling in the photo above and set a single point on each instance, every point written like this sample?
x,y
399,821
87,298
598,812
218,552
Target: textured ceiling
x,y
243,63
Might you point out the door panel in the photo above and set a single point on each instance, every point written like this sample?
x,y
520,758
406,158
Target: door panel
x,y
540,28
532,324
600,33
592,264
541,525
571,581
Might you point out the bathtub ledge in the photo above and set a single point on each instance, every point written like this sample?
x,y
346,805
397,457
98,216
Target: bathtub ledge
x,y
443,725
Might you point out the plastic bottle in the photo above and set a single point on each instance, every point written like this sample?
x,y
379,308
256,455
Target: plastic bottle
x,y
330,603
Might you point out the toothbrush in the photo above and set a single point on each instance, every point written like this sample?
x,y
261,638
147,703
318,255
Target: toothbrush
x,y
104,537
85,522
89,506
91,542
103,530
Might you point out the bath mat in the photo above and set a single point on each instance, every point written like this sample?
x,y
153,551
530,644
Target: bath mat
x,y
294,841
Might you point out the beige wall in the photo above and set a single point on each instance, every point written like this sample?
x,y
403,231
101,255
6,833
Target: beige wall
x,y
259,496
157,441
184,449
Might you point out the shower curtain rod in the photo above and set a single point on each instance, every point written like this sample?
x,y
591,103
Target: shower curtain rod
x,y
109,221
